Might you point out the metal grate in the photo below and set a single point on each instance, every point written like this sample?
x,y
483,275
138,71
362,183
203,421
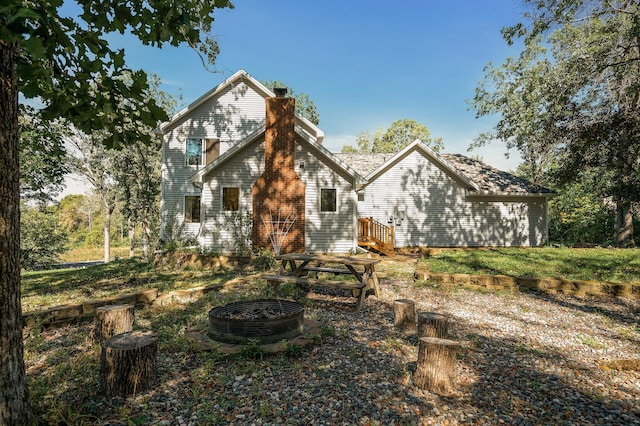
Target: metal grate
x,y
264,320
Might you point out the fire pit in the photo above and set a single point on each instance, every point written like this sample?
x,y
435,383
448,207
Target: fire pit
x,y
263,320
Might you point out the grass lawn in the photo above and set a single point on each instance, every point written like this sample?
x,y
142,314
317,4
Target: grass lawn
x,y
41,289
93,253
607,265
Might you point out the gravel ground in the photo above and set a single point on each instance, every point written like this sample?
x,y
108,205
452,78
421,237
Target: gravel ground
x,y
526,359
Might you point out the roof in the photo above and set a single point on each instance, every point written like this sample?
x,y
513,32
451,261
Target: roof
x,y
239,76
484,179
199,176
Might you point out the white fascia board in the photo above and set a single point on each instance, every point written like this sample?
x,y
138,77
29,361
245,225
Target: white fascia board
x,y
417,144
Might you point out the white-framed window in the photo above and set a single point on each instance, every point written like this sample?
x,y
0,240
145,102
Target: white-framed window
x,y
192,209
193,151
328,200
231,199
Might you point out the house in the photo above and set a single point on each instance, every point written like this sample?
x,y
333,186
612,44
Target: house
x,y
239,164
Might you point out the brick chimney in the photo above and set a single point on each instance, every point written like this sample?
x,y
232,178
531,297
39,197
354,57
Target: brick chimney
x,y
279,191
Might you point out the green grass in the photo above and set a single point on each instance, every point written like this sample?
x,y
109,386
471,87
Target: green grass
x,y
608,265
41,289
93,253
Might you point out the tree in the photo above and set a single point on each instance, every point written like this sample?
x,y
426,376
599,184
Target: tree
x,y
304,105
573,96
41,239
95,163
42,155
67,63
400,134
138,175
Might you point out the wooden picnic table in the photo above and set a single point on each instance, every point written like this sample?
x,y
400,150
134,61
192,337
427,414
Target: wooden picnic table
x,y
295,267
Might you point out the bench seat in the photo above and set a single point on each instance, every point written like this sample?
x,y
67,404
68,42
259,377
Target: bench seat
x,y
328,270
313,282
356,287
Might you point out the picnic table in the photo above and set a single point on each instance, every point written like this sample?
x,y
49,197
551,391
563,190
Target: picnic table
x,y
297,268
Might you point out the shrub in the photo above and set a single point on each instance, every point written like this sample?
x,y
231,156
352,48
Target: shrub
x,y
41,240
264,260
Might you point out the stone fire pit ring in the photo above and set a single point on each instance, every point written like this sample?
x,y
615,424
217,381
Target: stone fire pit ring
x,y
262,320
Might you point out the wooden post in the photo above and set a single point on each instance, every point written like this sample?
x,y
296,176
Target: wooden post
x,y
435,369
128,363
111,320
404,313
431,324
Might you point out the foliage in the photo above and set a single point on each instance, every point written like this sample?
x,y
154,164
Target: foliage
x,y
42,154
42,241
610,265
304,105
67,63
400,134
577,216
176,237
264,260
571,100
240,226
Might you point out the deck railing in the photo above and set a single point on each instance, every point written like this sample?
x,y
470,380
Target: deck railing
x,y
370,230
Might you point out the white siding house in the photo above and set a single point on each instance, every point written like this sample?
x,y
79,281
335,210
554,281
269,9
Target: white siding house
x,y
432,202
214,153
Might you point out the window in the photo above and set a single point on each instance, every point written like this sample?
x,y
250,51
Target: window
x,y
231,199
192,209
194,152
328,200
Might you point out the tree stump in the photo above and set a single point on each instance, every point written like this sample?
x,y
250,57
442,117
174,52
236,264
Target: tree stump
x,y
404,313
111,320
435,370
431,324
128,363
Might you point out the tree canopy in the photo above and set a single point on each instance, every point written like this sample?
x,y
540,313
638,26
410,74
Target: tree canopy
x,y
397,136
571,101
67,63
304,105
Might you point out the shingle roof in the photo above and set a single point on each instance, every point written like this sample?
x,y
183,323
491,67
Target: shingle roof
x,y
487,178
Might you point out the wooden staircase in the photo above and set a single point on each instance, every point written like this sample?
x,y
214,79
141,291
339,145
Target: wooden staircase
x,y
374,235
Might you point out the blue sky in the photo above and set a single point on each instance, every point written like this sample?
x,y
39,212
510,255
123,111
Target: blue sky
x,y
364,63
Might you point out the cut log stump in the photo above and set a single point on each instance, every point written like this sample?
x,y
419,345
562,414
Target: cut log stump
x,y
128,363
431,324
435,369
111,320
404,313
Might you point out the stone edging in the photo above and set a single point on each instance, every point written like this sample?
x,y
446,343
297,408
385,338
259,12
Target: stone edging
x,y
64,313
546,285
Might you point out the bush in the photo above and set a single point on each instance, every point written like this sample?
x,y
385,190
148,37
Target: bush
x,y
264,260
577,216
41,240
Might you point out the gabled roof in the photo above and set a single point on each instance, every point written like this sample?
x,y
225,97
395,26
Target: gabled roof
x,y
479,178
199,177
239,76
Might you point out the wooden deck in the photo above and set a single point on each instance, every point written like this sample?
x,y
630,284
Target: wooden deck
x,y
374,235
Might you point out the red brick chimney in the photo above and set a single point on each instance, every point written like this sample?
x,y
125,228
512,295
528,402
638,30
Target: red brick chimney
x,y
279,192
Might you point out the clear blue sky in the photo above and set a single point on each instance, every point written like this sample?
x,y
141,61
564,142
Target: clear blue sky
x,y
364,63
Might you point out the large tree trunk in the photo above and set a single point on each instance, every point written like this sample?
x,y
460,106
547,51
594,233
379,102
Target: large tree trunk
x,y
624,225
14,403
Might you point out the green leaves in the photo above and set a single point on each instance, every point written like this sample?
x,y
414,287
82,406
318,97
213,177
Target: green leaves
x,y
400,134
571,100
67,63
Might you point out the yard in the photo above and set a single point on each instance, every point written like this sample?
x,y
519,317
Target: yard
x,y
526,358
